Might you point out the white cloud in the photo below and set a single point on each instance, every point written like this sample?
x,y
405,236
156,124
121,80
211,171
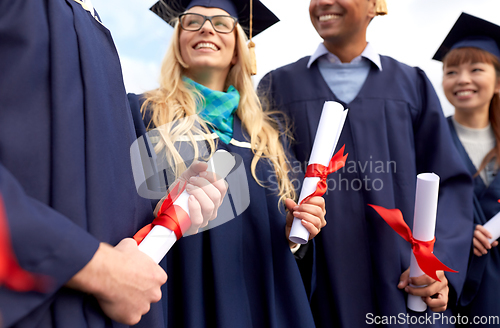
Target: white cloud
x,y
138,75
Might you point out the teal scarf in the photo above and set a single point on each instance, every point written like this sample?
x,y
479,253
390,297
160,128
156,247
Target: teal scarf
x,y
218,108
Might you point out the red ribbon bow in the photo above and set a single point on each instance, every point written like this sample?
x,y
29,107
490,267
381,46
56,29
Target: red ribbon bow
x,y
320,171
170,216
11,274
422,250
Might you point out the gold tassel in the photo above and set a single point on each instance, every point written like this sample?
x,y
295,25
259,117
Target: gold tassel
x,y
251,45
253,59
381,8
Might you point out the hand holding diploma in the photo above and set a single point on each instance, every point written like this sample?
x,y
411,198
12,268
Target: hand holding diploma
x,y
191,204
124,281
435,294
423,261
311,213
205,191
321,162
483,238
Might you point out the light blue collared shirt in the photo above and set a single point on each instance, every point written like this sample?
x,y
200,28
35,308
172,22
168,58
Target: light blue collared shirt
x,y
345,79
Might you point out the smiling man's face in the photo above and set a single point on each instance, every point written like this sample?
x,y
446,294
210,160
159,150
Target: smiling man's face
x,y
341,21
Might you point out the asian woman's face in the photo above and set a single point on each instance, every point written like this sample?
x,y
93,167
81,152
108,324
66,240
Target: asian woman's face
x,y
206,49
470,86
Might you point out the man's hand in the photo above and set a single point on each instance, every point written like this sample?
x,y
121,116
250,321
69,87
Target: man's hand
x,y
480,241
124,281
435,295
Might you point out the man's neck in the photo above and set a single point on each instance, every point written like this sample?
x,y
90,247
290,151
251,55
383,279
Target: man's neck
x,y
346,51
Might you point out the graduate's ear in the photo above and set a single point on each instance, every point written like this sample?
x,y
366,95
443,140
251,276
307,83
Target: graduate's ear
x,y
497,86
372,8
235,56
234,60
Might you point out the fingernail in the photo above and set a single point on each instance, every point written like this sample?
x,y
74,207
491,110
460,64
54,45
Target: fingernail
x,y
304,221
410,281
203,174
193,179
191,198
296,208
296,213
407,289
189,187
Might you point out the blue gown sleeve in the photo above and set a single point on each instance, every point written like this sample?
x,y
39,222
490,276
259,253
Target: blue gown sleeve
x,y
44,242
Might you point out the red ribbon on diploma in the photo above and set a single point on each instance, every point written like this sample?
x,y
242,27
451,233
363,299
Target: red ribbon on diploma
x,y
11,274
422,250
320,171
170,216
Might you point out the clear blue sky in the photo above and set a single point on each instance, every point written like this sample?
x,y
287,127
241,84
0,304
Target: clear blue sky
x,y
411,33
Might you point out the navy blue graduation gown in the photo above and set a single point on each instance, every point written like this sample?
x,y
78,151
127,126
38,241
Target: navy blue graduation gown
x,y
482,285
241,273
395,129
65,172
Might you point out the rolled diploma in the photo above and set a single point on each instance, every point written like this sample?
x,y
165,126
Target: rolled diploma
x,y
424,226
159,240
327,136
493,226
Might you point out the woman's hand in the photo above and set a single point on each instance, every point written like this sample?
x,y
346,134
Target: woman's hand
x,y
480,241
312,213
206,190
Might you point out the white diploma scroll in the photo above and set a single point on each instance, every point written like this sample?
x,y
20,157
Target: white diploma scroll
x,y
159,240
424,225
493,226
330,126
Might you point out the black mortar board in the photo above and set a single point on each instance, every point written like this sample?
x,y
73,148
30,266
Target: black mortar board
x,y
262,16
471,31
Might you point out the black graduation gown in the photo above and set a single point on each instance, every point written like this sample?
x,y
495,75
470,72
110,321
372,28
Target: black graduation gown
x,y
482,285
241,273
65,172
395,129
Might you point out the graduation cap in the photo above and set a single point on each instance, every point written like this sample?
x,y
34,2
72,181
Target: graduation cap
x,y
252,15
471,31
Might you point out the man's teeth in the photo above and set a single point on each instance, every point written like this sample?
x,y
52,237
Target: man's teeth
x,y
464,93
325,18
206,45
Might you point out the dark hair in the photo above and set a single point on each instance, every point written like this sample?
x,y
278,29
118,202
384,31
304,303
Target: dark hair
x,y
475,55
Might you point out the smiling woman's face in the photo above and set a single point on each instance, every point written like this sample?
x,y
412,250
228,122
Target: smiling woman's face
x,y
470,86
206,49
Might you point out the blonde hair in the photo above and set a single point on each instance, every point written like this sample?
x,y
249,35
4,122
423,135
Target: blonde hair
x,y
174,101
